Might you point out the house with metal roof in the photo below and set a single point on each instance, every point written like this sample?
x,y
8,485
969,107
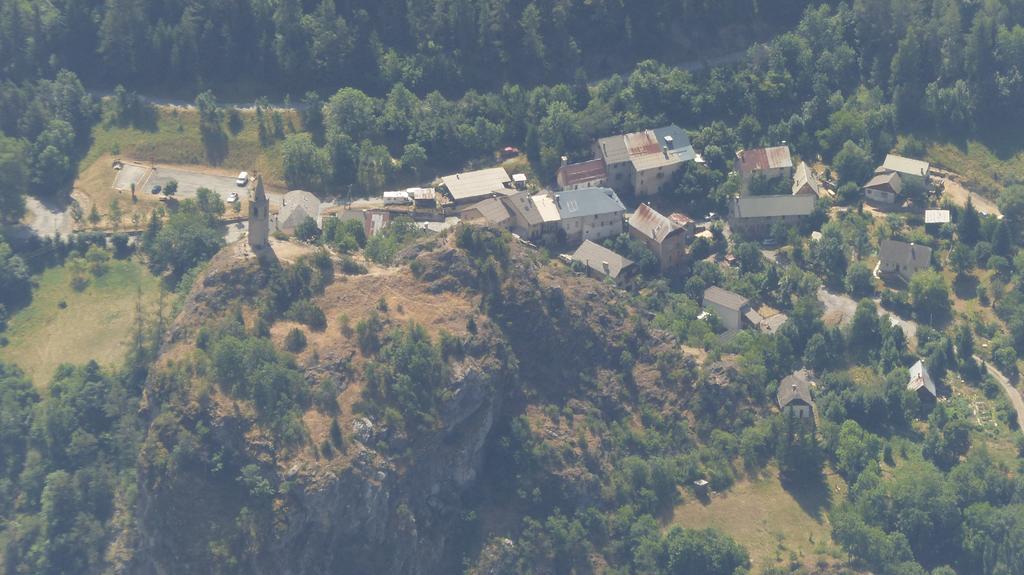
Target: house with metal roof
x,y
921,381
766,163
638,162
469,187
730,307
805,181
527,221
907,168
883,188
296,206
601,262
588,213
586,174
491,212
794,395
754,216
902,258
666,236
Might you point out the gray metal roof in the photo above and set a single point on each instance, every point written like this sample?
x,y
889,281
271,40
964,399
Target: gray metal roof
x,y
724,298
804,176
522,206
613,149
885,180
902,253
470,185
906,165
587,202
771,206
920,378
298,205
595,257
795,387
491,210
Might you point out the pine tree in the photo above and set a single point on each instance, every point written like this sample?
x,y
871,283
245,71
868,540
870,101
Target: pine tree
x,y
969,225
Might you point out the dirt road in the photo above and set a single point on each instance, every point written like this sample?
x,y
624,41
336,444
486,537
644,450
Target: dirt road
x,y
46,221
1015,398
958,194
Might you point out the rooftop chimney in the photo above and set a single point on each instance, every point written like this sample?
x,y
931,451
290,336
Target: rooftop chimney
x,y
558,201
664,150
670,142
565,161
607,268
794,387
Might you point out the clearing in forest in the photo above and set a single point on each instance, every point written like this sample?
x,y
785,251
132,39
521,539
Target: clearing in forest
x,y
95,323
775,525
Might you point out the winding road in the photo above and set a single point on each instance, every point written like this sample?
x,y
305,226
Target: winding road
x,y
845,306
1015,398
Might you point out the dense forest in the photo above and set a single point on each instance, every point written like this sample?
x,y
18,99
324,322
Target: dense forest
x,y
291,45
390,91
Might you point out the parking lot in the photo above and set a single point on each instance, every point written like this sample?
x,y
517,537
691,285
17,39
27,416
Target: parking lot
x,y
130,174
190,181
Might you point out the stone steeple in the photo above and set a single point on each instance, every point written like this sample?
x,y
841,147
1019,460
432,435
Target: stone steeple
x,y
259,217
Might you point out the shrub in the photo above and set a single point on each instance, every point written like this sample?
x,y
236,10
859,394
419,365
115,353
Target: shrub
x,y
295,341
307,313
368,333
351,267
307,230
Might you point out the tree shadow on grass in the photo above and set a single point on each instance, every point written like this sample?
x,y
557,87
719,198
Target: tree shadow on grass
x,y
215,143
812,494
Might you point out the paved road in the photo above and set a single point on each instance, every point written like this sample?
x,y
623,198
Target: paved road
x,y
1015,398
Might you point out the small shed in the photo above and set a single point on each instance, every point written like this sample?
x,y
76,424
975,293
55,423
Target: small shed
x,y
423,197
519,181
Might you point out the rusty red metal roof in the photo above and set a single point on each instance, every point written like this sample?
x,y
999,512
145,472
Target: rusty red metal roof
x,y
583,172
764,159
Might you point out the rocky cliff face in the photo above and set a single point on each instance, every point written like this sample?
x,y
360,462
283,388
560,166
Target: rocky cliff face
x,y
389,505
387,515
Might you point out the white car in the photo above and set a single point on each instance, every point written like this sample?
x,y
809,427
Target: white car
x,y
232,197
242,179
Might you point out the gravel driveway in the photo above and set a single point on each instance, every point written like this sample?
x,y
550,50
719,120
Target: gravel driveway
x,y
843,307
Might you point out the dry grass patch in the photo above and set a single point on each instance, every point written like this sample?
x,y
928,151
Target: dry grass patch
x,y
983,170
775,526
176,140
94,324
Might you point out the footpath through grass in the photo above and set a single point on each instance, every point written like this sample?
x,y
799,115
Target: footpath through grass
x,y
96,323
